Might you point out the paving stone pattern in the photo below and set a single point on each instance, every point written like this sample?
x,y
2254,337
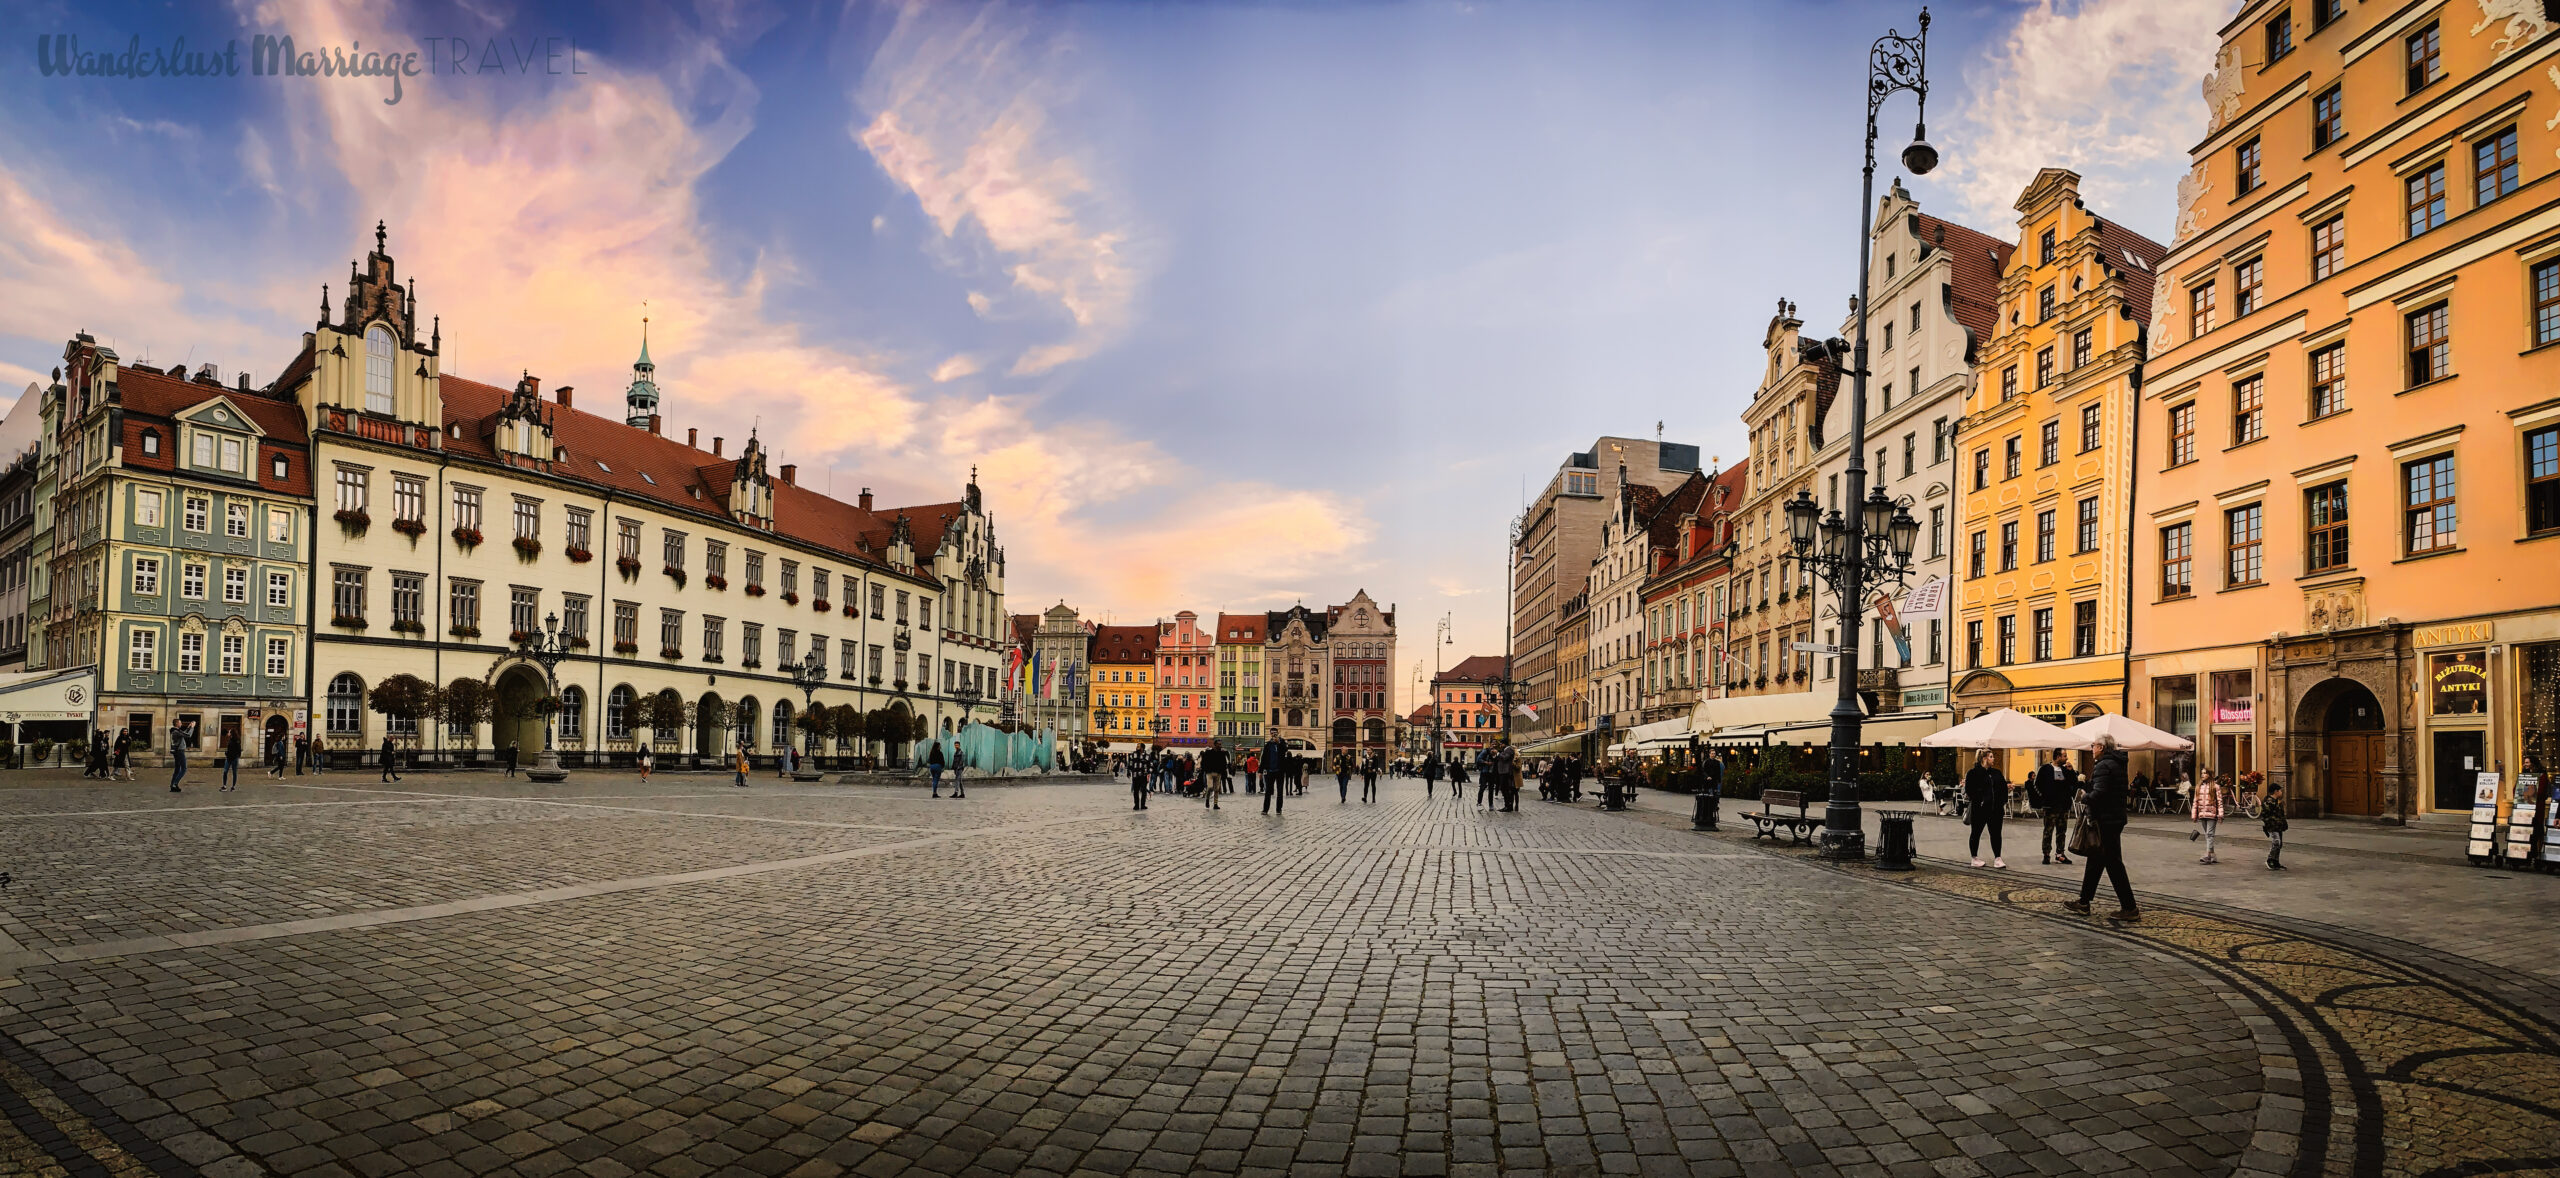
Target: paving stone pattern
x,y
1400,988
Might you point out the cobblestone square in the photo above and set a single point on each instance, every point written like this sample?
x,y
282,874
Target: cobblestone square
x,y
461,975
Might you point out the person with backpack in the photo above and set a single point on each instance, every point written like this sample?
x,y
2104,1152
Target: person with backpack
x,y
2055,784
2212,800
2271,821
1986,793
933,766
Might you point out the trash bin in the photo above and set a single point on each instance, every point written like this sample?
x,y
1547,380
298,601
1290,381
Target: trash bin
x,y
1704,817
1893,842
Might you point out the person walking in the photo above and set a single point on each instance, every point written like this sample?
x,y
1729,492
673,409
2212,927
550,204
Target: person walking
x,y
933,766
1275,786
275,756
230,761
123,762
390,758
1986,793
2105,797
1369,779
301,754
510,759
959,770
1213,773
1138,781
178,736
1430,777
738,755
2212,800
1342,775
2271,821
1252,762
647,759
2055,784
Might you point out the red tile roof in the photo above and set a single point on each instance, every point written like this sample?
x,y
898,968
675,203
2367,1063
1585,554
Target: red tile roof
x,y
1978,260
1122,644
1024,626
1481,668
152,398
2128,250
1240,627
1423,714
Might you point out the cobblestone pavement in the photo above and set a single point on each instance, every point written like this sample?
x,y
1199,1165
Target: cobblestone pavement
x,y
461,976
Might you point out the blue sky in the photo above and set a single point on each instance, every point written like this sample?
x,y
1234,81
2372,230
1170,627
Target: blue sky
x,y
1234,305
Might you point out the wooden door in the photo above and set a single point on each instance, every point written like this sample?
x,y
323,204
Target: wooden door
x,y
2355,762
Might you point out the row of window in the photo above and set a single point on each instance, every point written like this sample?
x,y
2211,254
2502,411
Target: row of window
x,y
221,455
2040,636
192,576
2048,448
142,653
196,515
2084,538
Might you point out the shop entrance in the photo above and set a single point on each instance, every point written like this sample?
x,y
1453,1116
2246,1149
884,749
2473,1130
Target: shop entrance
x,y
2354,750
2458,762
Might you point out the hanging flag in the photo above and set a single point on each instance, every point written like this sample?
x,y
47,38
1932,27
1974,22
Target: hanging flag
x,y
1929,598
1526,711
1892,623
1013,669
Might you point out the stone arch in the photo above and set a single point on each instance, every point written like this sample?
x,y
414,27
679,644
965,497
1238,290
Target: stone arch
x,y
744,724
1981,691
710,724
1343,732
2340,748
512,716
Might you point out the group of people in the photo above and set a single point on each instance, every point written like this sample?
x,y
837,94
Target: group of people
x,y
1274,770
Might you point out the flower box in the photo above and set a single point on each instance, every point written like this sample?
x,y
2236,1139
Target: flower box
x,y
629,565
821,605
408,626
748,664
754,589
626,648
715,581
412,528
851,612
467,537
670,652
711,658
348,621
580,555
675,574
465,631
528,546
355,519
577,643
517,636
790,598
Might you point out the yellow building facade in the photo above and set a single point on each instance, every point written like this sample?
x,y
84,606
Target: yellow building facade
x,y
2046,449
2349,513
1123,659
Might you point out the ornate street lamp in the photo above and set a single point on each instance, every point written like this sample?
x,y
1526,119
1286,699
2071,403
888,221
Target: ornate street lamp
x,y
1870,544
547,649
807,675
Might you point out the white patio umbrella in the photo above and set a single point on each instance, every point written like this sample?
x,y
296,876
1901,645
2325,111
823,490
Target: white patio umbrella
x,y
2130,734
2000,728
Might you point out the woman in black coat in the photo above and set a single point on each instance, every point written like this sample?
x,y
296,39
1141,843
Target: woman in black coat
x,y
1986,795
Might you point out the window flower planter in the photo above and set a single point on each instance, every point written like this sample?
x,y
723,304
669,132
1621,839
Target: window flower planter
x,y
412,528
528,546
466,631
629,565
580,555
875,681
355,520
715,581
746,664
408,626
670,652
349,621
754,590
517,636
467,537
711,658
789,598
578,643
675,574
821,605
851,612
626,648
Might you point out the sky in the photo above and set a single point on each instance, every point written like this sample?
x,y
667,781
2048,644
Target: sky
x,y
1230,306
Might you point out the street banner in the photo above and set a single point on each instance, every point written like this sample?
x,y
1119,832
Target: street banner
x,y
1929,598
2484,819
1893,625
1527,711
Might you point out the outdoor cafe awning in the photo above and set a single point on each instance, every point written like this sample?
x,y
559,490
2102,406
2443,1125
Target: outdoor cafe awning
x,y
1890,728
1660,734
1555,746
47,695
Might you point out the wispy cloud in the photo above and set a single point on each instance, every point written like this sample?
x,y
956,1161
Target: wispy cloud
x,y
2108,88
957,105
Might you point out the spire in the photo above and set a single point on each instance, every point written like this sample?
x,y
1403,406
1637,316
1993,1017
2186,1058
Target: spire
x,y
644,365
380,233
641,402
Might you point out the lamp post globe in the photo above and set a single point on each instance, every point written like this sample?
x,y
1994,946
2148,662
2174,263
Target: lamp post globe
x,y
1919,158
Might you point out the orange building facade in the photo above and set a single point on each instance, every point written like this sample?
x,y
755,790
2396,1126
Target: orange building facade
x,y
2347,521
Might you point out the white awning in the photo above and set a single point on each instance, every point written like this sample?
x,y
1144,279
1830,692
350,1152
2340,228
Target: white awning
x,y
1890,728
1660,733
1570,742
47,695
1794,707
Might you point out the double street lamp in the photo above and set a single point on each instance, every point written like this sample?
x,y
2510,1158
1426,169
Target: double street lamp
x,y
547,649
807,675
1871,543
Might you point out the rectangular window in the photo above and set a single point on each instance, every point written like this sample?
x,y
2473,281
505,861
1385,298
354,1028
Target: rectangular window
x,y
845,664
346,598
2043,635
714,631
409,498
2044,304
2199,310
146,507
464,606
2426,200
2423,52
2084,629
146,576
2086,539
279,657
879,595
2246,167
1981,469
671,548
2493,166
2245,529
2177,560
1974,559
2328,380
1973,644
2325,11
715,558
2008,639
2008,546
235,654
528,520
2082,347
1938,439
2012,455
2088,428
2280,35
466,508
573,619
235,585
626,540
524,612
408,599
2009,383
235,520
1937,534
1910,454
2248,286
279,526
2182,434
199,514
2044,535
2328,118
280,590
2328,247
2324,513
2044,248
791,576
750,644
191,654
626,624
2049,444
786,646
2546,303
2542,480
755,568
2429,495
2248,410
2430,344
2044,367
204,450
671,631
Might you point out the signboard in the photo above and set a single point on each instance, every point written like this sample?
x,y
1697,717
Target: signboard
x,y
1924,697
46,695
2484,818
2457,634
1813,648
2458,683
2050,713
2551,830
2520,809
1892,623
1929,598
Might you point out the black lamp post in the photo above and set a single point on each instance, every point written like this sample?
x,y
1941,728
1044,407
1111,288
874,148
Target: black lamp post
x,y
1872,542
807,675
546,650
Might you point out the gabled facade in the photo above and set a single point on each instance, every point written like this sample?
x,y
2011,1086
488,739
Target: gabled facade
x,y
1362,638
1185,655
1685,598
1467,704
1240,717
1773,596
1123,659
1551,557
1298,662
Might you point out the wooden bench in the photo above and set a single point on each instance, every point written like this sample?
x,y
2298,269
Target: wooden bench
x,y
1798,826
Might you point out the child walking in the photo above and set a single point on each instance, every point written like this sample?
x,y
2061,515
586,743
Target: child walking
x,y
2271,820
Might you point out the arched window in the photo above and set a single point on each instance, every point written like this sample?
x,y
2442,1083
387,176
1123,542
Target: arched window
x,y
617,714
573,713
781,724
377,370
742,722
346,705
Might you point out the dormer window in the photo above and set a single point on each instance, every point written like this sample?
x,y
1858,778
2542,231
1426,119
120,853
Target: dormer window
x,y
377,370
281,467
151,442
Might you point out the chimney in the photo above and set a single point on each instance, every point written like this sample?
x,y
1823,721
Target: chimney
x,y
865,500
563,395
791,473
653,423
715,446
693,438
244,382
